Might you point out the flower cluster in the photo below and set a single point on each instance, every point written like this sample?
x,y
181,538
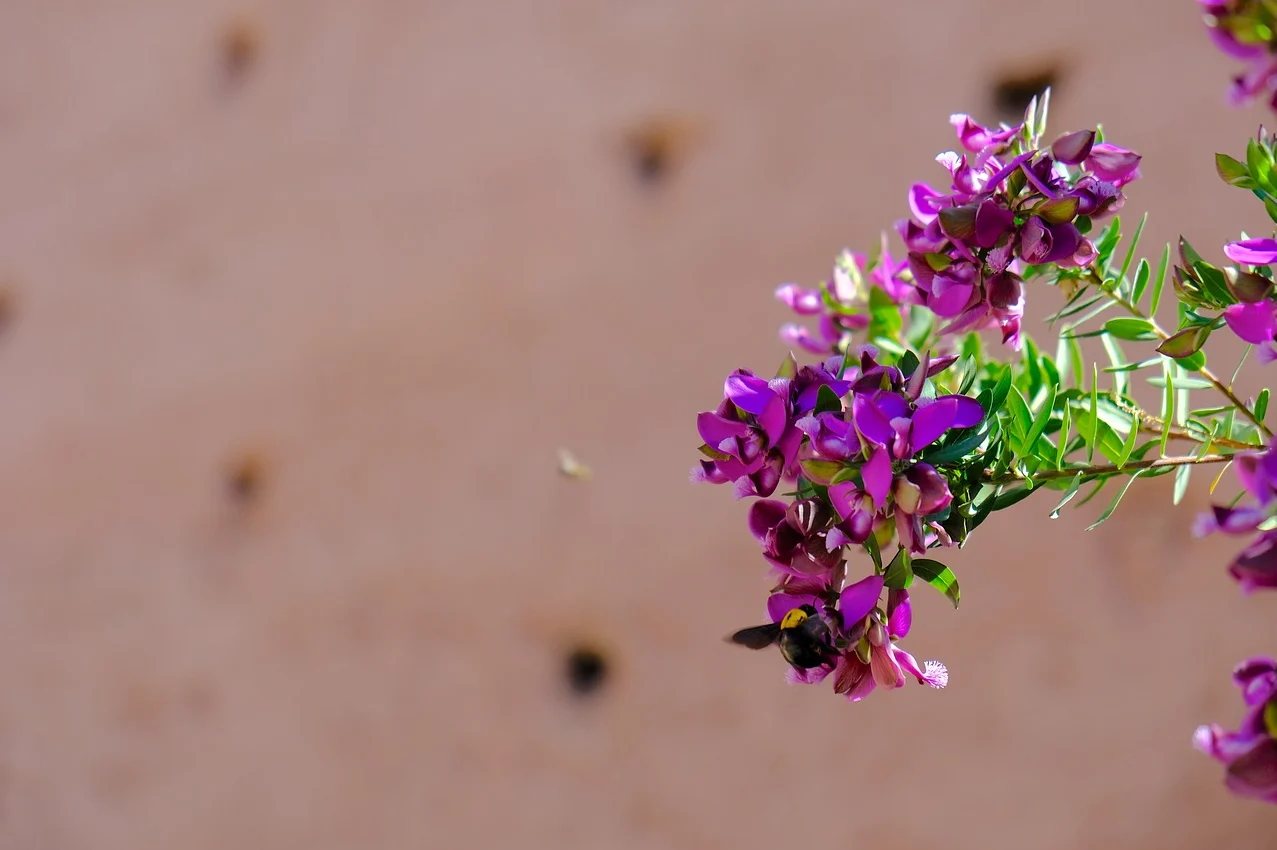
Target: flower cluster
x,y
1246,30
842,301
1250,753
850,434
1256,566
1254,316
1009,204
862,632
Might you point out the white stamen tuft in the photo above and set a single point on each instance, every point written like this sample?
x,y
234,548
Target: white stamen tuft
x,y
936,674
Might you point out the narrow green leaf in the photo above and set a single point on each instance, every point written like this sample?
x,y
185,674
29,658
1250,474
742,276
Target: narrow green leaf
x,y
1000,391
1079,367
871,546
1130,328
1074,486
1130,249
1038,427
1181,483
1095,413
1108,512
1261,404
1141,281
1129,445
1168,405
938,576
1121,381
1182,383
1159,281
1131,367
1062,449
1011,497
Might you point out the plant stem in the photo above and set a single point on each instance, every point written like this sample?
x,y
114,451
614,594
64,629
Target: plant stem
x,y
1207,374
1099,470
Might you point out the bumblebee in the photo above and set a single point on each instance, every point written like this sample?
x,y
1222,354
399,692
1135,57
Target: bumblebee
x,y
802,635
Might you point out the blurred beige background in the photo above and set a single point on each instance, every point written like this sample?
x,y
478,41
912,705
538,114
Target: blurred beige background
x,y
390,256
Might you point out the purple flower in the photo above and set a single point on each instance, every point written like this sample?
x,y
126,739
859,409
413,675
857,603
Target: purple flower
x,y
1252,252
1256,566
1250,753
876,660
792,537
752,439
846,289
1243,30
1007,206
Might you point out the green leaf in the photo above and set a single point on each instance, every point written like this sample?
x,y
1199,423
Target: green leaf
x,y
1107,242
1095,413
820,471
1129,445
1021,420
1160,280
899,574
1181,483
1130,249
1182,383
1040,422
957,445
1121,382
1074,486
1258,165
938,576
1185,343
1000,391
1233,172
1141,281
827,400
1131,367
1108,512
1168,404
1012,497
1130,328
871,546
712,453
884,315
1261,404
1063,448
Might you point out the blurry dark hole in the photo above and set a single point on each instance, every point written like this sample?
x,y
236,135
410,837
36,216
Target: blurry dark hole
x,y
651,159
587,670
240,46
245,478
1012,93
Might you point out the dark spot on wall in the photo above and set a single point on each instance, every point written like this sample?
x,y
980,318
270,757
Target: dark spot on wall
x,y
657,146
1013,90
586,669
241,44
245,477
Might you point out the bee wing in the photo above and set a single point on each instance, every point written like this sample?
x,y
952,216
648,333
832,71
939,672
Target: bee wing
x,y
757,637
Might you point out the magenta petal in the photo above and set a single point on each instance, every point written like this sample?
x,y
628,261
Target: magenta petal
x,y
1254,323
871,422
877,477
780,604
1254,774
900,619
804,302
931,421
952,301
920,202
764,515
714,429
1252,252
857,600
969,414
749,393
773,419
841,496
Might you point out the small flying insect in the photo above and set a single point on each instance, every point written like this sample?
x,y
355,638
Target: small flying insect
x,y
803,637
